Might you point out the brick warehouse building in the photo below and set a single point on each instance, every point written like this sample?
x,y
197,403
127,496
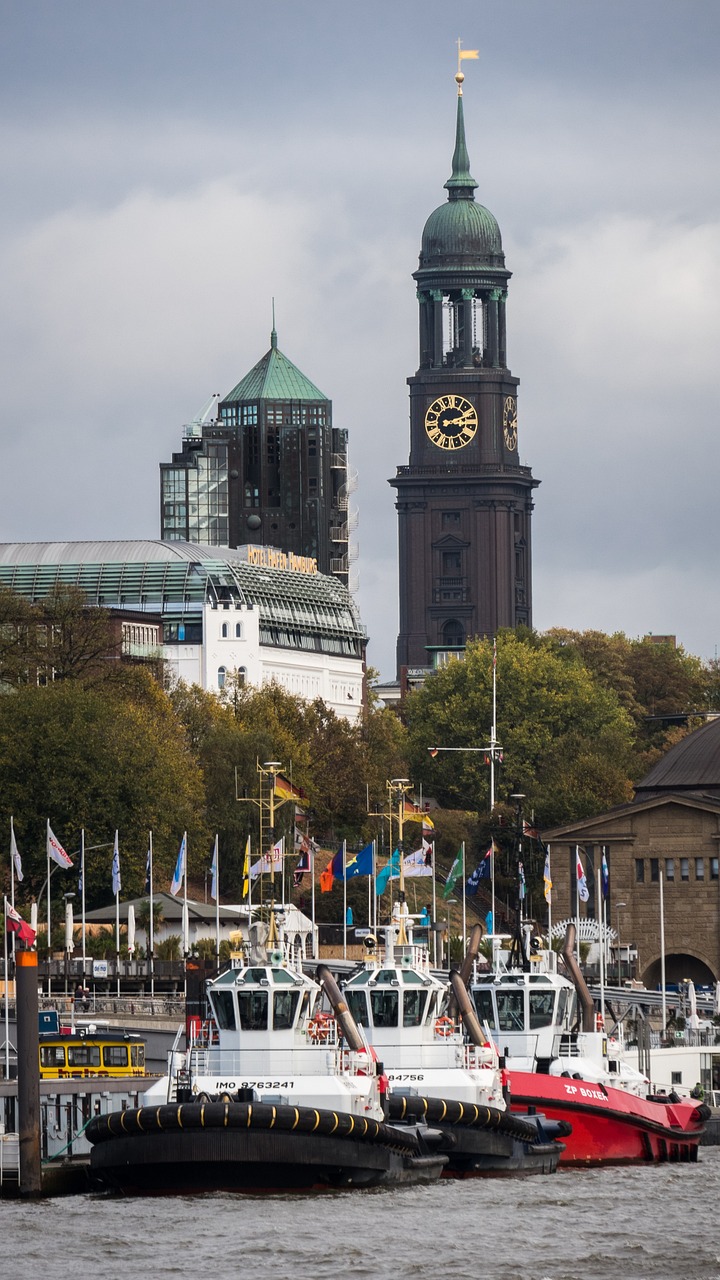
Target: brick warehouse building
x,y
671,828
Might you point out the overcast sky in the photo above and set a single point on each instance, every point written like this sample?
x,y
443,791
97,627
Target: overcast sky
x,y
172,165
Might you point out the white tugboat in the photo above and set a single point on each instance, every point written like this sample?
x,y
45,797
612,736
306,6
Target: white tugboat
x,y
440,1067
278,1096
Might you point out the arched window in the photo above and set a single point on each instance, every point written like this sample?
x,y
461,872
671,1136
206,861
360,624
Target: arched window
x,y
238,630
222,673
224,631
242,677
453,633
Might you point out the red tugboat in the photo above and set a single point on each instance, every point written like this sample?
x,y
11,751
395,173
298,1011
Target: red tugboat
x,y
559,1060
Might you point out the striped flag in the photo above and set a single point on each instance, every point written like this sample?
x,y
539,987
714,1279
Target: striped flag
x,y
56,851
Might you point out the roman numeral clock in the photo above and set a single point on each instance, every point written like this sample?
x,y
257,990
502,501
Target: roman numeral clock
x,y
464,500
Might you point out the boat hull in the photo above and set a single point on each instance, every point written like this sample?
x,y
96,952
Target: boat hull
x,y
610,1126
482,1141
251,1147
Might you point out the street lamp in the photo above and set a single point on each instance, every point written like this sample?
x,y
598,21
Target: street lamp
x,y
618,908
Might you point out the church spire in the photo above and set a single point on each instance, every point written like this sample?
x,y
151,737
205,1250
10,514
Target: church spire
x,y
273,331
461,184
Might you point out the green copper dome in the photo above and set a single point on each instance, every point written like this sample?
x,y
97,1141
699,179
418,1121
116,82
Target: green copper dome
x,y
274,378
461,232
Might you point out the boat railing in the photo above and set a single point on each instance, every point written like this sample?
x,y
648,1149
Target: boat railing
x,y
477,1056
566,1046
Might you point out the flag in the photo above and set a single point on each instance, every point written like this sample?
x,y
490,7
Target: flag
x,y
349,916
284,790
214,873
547,878
486,864
246,870
583,891
179,872
427,823
14,854
531,832
327,878
469,53
116,882
473,882
391,871
489,922
303,865
56,851
337,864
605,874
148,866
359,864
452,875
271,861
14,923
521,882
433,751
419,863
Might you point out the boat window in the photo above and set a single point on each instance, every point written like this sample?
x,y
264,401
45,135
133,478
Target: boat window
x,y
284,1005
52,1055
137,1055
510,1011
484,1006
304,1005
115,1055
384,1008
541,1008
224,1009
253,1010
413,1005
83,1055
254,975
564,1006
387,975
282,975
357,1004
413,979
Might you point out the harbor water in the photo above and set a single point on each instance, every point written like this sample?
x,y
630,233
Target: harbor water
x,y
659,1223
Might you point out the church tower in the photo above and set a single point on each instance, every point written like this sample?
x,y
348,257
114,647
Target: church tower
x,y
464,501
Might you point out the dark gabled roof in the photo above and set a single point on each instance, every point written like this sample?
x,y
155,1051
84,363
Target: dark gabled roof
x,y
595,827
172,910
692,765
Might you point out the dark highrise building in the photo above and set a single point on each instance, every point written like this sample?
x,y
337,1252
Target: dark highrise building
x,y
264,465
464,502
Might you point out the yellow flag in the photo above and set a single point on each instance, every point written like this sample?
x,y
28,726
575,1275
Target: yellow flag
x,y
469,53
246,870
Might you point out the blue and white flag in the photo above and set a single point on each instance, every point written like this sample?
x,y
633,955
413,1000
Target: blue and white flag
x,y
391,871
521,882
605,874
472,883
582,888
214,873
177,879
117,886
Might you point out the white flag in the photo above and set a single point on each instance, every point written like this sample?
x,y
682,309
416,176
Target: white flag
x,y
179,867
583,891
419,863
14,854
56,851
214,872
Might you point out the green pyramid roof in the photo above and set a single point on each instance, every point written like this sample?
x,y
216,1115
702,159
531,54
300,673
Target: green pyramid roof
x,y
274,378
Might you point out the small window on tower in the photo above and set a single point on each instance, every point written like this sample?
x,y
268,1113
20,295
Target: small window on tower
x,y
451,562
450,519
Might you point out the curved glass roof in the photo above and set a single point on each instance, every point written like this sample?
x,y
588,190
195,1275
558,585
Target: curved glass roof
x,y
178,577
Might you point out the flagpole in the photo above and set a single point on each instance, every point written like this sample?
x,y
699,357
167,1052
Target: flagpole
x,y
217,901
49,945
464,905
186,935
601,946
151,935
344,852
662,957
577,902
434,911
549,901
117,914
13,846
7,997
82,897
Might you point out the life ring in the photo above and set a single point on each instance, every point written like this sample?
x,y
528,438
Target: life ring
x,y
320,1027
599,1022
444,1027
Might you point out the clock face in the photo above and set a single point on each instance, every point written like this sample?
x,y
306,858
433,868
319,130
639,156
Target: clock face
x,y
510,422
451,422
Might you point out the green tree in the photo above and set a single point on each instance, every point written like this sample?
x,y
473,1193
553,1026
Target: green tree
x,y
567,742
99,759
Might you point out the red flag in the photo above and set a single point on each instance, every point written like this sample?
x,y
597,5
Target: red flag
x,y
14,923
